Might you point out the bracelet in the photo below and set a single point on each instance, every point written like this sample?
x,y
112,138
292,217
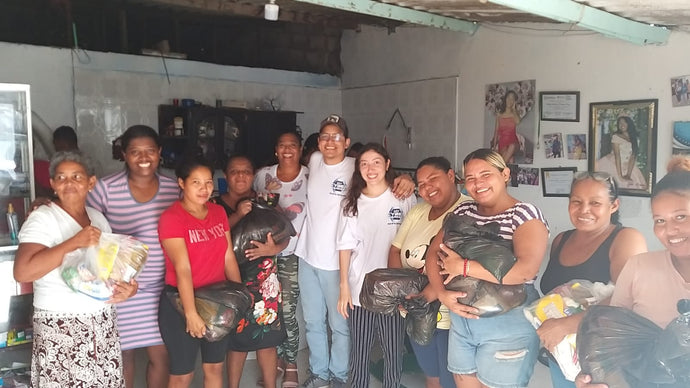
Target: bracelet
x,y
466,268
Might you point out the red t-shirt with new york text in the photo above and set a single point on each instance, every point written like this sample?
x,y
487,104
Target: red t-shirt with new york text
x,y
205,241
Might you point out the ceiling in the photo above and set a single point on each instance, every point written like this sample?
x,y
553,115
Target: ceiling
x,y
673,14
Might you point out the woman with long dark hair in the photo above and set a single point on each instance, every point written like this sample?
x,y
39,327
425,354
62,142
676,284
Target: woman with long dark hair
x,y
621,161
370,218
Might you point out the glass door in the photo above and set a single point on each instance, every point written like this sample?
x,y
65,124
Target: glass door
x,y
16,160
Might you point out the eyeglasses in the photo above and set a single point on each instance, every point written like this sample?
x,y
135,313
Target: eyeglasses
x,y
599,176
331,136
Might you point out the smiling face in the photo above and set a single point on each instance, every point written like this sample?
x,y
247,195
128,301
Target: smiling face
x,y
373,167
485,183
198,186
142,156
671,214
435,186
590,207
622,125
71,182
288,149
240,176
333,150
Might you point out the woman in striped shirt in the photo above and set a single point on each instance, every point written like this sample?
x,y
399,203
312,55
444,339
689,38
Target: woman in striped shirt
x,y
499,351
132,200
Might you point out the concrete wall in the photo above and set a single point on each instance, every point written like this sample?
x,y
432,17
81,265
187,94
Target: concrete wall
x,y
602,69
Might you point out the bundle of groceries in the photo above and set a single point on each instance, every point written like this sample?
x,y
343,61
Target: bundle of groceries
x,y
565,300
94,271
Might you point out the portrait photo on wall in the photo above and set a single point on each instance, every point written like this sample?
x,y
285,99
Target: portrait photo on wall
x,y
623,143
681,138
553,145
528,176
513,175
577,146
510,120
680,90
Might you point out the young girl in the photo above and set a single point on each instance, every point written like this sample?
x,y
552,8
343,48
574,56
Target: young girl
x,y
368,223
195,237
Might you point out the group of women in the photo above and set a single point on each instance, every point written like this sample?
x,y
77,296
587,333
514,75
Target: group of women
x,y
76,340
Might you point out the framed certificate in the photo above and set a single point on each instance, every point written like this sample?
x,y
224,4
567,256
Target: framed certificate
x,y
559,106
556,181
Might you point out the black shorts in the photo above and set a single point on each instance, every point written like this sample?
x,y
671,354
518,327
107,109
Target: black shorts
x,y
183,348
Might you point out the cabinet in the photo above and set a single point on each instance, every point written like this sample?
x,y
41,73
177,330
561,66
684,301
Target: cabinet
x,y
16,188
218,133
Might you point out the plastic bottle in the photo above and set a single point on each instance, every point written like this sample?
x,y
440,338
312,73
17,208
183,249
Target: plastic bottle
x,y
12,223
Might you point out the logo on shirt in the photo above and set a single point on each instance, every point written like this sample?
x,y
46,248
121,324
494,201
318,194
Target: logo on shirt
x,y
202,235
395,215
338,187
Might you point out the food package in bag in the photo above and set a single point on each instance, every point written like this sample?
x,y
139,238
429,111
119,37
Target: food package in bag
x,y
565,300
94,271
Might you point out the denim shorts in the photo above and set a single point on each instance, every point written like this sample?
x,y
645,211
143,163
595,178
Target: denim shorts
x,y
433,358
501,350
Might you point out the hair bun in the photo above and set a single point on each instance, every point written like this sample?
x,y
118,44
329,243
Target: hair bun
x,y
678,164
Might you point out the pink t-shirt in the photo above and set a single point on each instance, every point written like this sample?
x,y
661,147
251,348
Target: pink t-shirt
x,y
205,241
651,286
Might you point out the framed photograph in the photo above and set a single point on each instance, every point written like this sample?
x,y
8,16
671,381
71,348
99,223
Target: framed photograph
x,y
556,181
680,90
559,106
622,137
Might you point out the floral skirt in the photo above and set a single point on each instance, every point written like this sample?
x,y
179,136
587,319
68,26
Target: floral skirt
x,y
262,326
76,350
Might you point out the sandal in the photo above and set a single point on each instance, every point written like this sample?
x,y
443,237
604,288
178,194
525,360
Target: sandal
x,y
290,383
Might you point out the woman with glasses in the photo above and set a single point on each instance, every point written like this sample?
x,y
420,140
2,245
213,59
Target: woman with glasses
x,y
498,351
595,250
652,283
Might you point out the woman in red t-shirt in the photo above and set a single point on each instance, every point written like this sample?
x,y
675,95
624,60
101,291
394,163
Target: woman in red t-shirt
x,y
195,237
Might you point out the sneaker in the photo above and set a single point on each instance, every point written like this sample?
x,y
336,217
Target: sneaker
x,y
315,381
335,383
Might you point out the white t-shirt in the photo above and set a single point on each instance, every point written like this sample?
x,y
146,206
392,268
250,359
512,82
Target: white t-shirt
x,y
369,235
293,197
50,225
326,187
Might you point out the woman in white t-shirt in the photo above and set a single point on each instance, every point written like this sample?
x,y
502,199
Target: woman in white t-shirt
x,y
370,218
75,341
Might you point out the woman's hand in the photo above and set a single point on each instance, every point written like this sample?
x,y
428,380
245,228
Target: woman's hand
x,y
584,381
123,291
195,325
451,263
244,207
345,301
552,331
403,186
450,300
269,248
88,236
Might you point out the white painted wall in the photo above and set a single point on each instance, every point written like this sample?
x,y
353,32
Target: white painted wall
x,y
602,69
111,92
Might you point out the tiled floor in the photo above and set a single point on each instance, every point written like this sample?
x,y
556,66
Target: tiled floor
x,y
540,379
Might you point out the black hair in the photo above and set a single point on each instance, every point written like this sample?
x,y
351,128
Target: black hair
x,y
505,98
438,162
137,131
65,134
355,149
632,132
189,164
357,184
311,144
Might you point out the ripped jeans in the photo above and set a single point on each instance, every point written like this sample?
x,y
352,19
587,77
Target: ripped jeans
x,y
501,350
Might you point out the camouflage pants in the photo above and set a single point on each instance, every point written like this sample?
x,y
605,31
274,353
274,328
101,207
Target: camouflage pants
x,y
287,274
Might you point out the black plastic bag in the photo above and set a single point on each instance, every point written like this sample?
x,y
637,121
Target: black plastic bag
x,y
254,226
625,350
384,289
221,305
479,243
490,299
